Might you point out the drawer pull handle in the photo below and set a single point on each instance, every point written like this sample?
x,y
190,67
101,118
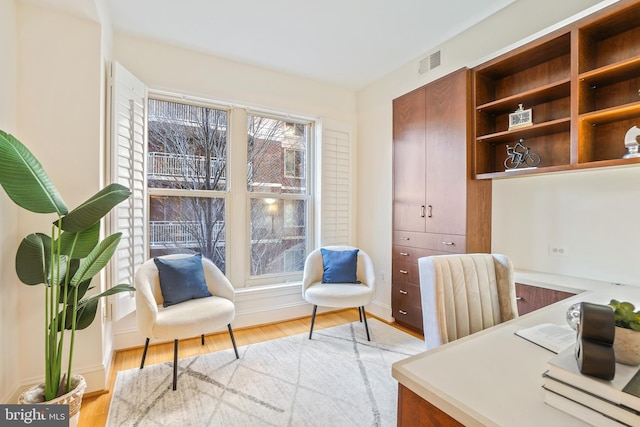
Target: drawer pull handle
x,y
448,243
403,292
404,254
404,238
404,313
404,272
519,298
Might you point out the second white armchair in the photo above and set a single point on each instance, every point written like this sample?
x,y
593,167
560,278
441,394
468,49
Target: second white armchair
x,y
340,277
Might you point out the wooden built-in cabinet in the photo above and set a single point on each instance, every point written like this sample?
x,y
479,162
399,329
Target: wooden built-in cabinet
x,y
530,298
437,207
582,83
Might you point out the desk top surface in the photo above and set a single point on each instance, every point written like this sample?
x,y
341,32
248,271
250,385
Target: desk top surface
x,y
493,377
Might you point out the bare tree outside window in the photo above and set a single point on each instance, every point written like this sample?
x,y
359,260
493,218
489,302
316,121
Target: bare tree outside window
x,y
279,194
187,157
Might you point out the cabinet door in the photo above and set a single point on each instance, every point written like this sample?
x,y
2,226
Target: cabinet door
x,y
408,161
531,298
446,153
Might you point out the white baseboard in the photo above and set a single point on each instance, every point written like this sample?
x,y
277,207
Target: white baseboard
x,y
94,375
383,311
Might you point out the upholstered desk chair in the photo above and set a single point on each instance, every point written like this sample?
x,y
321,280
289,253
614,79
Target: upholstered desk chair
x,y
327,283
157,317
465,293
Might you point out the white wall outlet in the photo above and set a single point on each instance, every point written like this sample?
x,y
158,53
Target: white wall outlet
x,y
557,250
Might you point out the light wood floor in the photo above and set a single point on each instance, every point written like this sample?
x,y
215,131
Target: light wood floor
x,y
95,406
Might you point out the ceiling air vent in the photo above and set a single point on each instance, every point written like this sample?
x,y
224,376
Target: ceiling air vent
x,y
430,62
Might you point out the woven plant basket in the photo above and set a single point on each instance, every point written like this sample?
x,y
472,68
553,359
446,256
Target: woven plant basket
x,y
626,346
35,396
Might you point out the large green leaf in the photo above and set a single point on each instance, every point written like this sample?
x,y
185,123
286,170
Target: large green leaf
x,y
83,287
97,259
82,242
32,259
91,211
24,179
87,308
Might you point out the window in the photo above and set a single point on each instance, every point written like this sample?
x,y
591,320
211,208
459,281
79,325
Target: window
x,y
249,208
278,193
189,193
186,179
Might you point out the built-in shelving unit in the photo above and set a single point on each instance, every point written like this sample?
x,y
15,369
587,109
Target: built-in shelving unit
x,y
582,83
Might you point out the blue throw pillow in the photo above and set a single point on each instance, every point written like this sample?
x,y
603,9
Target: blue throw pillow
x,y
181,279
339,266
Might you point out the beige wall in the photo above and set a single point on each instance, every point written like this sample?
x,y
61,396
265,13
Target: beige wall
x,y
500,32
592,215
168,68
9,314
59,118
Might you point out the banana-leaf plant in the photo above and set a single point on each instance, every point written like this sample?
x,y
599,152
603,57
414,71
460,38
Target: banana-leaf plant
x,y
65,261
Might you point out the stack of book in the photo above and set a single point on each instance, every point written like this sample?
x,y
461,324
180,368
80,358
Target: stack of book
x,y
593,400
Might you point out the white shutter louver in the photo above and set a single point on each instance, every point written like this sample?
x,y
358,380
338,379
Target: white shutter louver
x,y
128,142
336,189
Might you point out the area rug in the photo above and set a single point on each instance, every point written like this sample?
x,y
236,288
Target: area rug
x,y
336,379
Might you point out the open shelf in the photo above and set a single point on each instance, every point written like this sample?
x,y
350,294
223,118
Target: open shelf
x,y
533,131
544,94
582,84
622,112
609,74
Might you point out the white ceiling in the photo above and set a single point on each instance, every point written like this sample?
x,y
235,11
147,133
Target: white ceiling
x,y
346,42
350,43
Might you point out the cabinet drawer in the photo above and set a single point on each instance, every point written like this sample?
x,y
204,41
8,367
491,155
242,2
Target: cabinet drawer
x,y
405,295
450,243
409,254
411,317
405,272
412,239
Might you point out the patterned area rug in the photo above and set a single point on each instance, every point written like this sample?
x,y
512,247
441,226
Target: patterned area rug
x,y
336,379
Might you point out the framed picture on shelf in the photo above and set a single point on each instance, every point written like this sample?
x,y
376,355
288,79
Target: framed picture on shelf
x,y
520,118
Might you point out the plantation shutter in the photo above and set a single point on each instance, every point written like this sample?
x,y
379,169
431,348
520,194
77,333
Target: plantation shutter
x,y
336,188
128,103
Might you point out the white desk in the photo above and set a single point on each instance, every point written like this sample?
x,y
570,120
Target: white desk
x,y
493,377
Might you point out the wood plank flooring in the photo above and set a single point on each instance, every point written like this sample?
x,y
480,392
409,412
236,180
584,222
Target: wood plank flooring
x,y
95,406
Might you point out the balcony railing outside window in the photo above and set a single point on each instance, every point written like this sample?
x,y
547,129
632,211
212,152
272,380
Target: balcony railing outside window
x,y
180,233
171,166
179,113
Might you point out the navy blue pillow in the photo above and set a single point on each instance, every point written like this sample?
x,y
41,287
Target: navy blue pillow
x,y
339,266
181,279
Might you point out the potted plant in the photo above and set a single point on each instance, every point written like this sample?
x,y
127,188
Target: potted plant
x,y
626,343
63,262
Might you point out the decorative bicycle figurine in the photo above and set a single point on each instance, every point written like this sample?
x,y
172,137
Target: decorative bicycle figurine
x,y
520,154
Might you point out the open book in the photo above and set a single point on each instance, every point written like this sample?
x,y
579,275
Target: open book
x,y
554,338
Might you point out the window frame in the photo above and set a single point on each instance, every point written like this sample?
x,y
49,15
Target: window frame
x,y
309,197
240,275
175,192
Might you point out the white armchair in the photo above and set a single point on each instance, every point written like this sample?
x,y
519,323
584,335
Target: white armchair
x,y
338,295
186,319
